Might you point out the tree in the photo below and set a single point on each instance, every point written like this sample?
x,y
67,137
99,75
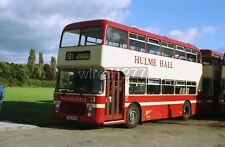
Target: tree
x,y
48,71
31,61
5,69
41,60
19,72
53,67
37,74
41,65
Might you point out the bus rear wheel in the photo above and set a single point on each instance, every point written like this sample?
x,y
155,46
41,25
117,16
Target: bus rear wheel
x,y
132,116
186,111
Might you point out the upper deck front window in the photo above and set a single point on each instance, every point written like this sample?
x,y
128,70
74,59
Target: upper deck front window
x,y
91,36
85,36
70,38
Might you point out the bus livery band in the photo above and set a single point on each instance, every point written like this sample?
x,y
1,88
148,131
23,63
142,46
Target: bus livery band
x,y
110,73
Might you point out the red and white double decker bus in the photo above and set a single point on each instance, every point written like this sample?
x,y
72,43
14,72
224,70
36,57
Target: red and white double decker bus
x,y
109,73
211,80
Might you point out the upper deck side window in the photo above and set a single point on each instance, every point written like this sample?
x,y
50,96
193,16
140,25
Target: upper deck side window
x,y
153,46
116,37
180,52
191,55
137,42
216,60
84,36
167,49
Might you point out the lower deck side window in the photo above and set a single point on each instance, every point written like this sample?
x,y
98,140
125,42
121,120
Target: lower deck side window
x,y
167,89
191,87
137,86
158,86
207,86
153,86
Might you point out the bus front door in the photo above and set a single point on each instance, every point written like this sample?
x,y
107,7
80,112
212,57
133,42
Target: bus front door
x,y
114,96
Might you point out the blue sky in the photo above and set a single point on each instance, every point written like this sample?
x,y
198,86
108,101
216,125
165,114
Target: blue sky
x,y
204,18
37,24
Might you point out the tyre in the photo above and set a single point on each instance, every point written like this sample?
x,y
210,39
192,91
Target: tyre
x,y
186,111
132,116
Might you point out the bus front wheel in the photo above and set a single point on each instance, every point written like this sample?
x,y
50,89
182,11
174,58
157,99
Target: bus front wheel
x,y
132,116
186,111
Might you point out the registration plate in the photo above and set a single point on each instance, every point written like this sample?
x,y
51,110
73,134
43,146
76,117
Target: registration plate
x,y
69,117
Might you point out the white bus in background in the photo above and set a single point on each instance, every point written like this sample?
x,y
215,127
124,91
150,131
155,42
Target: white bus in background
x,y
211,81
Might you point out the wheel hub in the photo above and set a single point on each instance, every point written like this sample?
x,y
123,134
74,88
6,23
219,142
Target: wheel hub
x,y
132,115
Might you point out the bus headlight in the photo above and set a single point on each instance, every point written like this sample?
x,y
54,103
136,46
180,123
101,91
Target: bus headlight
x,y
57,105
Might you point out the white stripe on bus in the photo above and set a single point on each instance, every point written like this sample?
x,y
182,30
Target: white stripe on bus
x,y
159,103
166,103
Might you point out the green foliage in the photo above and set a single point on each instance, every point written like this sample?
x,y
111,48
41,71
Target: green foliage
x,y
31,61
10,82
37,72
5,69
19,72
41,60
41,65
53,67
35,75
48,72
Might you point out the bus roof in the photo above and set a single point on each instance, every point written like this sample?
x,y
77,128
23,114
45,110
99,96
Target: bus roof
x,y
104,22
210,52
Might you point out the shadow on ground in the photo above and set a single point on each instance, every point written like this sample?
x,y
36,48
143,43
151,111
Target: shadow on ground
x,y
37,113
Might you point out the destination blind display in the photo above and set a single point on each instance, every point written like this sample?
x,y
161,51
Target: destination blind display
x,y
78,55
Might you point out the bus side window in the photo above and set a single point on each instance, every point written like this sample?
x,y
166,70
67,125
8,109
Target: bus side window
x,y
180,87
153,46
116,37
137,86
191,55
191,87
153,86
167,87
137,42
207,86
167,49
180,53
